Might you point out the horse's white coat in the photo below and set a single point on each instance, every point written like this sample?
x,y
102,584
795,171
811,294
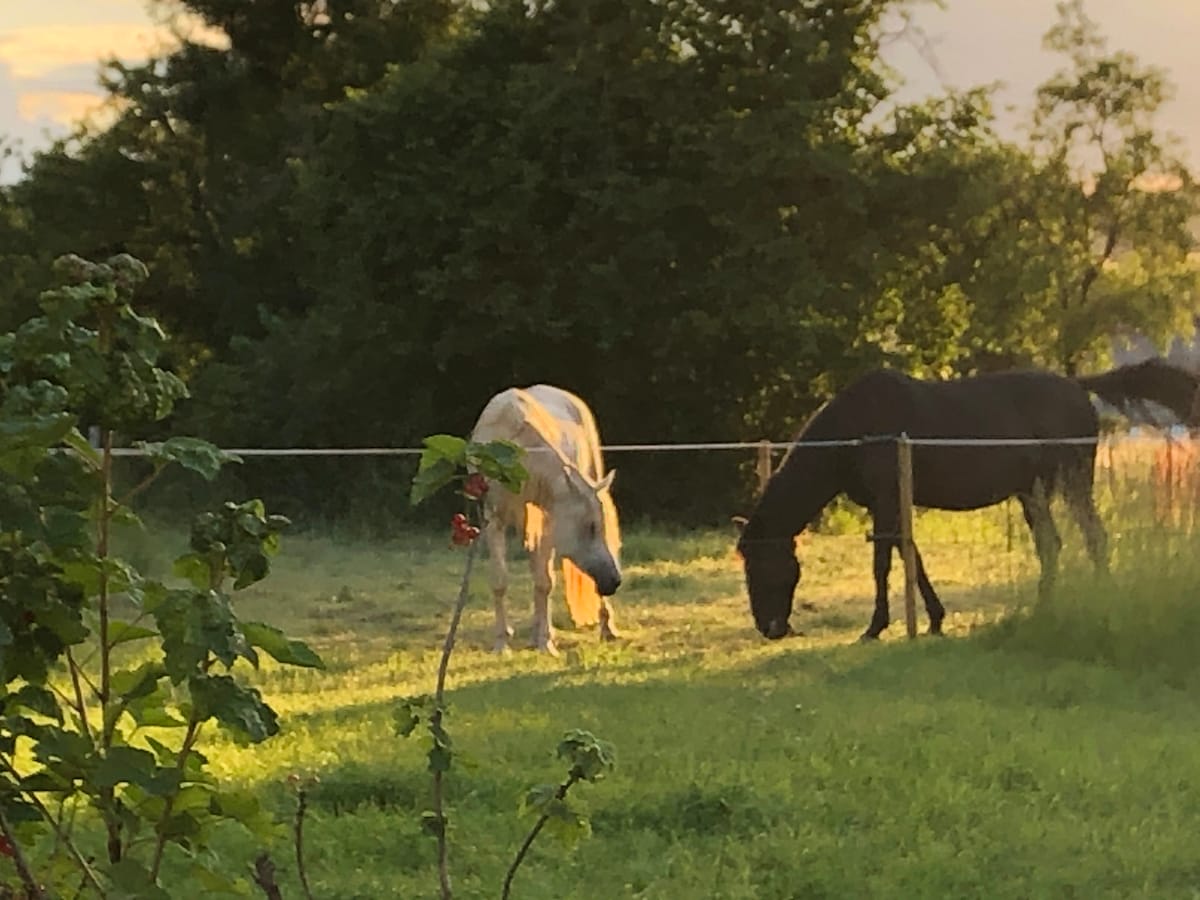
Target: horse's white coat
x,y
565,507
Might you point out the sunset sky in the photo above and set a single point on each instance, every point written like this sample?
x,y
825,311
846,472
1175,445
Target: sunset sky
x,y
49,51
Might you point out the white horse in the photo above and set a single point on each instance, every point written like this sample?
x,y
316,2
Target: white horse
x,y
564,507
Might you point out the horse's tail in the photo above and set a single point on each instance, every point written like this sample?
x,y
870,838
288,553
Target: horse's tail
x,y
1156,380
583,600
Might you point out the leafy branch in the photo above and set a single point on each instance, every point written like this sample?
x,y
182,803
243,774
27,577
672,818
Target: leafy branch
x,y
590,760
475,467
62,591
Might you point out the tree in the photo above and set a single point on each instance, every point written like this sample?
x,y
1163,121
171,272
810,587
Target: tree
x,y
672,208
1097,235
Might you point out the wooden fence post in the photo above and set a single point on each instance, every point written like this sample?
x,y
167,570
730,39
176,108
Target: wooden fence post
x,y
763,467
908,550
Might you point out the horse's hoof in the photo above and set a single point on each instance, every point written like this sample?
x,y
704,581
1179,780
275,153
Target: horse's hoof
x,y
868,638
548,648
501,648
609,636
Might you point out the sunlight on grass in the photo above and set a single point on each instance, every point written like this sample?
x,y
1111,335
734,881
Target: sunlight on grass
x,y
1040,750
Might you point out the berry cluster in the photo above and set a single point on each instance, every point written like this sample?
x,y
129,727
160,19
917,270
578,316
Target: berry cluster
x,y
462,532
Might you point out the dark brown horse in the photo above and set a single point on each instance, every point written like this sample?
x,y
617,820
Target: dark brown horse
x,y
1009,406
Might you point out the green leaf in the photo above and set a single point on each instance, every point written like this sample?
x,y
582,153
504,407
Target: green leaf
x,y
432,823
279,646
409,713
35,431
83,447
245,808
431,478
123,765
194,568
234,705
130,880
65,527
34,698
151,712
564,823
444,446
131,684
440,758
123,632
214,883
590,758
538,798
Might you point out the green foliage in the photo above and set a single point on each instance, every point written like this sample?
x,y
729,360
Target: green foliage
x,y
79,689
588,759
448,458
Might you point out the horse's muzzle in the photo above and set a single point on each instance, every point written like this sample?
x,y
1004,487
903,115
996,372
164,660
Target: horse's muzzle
x,y
778,628
607,585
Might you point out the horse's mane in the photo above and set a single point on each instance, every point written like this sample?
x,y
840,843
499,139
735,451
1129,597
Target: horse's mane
x,y
612,526
798,437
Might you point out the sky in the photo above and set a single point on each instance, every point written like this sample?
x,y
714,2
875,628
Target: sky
x,y
50,52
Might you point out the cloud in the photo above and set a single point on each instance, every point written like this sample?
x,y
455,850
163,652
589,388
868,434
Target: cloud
x,y
49,69
60,107
36,50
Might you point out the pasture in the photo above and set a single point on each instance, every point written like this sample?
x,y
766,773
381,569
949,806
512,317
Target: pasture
x,y
1035,752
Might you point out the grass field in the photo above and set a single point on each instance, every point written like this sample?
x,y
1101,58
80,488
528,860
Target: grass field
x,y
1037,751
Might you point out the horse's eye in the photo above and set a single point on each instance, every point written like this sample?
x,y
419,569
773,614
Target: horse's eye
x,y
591,529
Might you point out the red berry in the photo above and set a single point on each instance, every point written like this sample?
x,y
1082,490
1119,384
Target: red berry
x,y
475,486
6,847
458,520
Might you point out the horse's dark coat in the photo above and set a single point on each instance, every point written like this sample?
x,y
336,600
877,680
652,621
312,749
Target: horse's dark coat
x,y
884,404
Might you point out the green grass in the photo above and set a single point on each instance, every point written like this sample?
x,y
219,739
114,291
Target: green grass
x,y
1037,751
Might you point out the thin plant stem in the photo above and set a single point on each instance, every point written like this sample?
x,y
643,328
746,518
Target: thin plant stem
x,y
264,876
32,889
59,832
80,705
108,723
160,845
435,720
143,484
559,795
301,808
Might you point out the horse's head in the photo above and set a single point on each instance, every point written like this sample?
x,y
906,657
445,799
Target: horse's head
x,y
772,573
585,527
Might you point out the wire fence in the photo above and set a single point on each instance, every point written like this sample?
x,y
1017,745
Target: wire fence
x,y
1147,489
1157,472
658,447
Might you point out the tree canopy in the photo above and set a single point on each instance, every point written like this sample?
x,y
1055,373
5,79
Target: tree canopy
x,y
364,217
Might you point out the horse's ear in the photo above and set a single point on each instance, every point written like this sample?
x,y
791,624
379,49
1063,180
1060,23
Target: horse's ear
x,y
606,482
739,522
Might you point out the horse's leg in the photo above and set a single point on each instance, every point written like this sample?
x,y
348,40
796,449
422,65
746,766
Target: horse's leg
x,y
541,560
933,605
1083,506
885,527
608,631
496,539
1036,507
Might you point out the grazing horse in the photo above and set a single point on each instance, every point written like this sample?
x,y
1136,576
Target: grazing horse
x,y
565,507
1029,406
